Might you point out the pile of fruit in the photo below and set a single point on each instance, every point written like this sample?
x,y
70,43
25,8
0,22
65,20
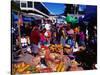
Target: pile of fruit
x,y
56,47
54,58
23,68
60,67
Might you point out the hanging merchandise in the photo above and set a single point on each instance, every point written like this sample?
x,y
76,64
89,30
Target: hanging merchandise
x,y
71,19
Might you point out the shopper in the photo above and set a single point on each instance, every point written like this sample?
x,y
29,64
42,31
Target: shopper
x,y
43,40
35,38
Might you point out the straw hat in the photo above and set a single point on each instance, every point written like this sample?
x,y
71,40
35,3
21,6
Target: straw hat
x,y
67,46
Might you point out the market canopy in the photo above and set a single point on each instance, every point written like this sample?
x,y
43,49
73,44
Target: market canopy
x,y
25,18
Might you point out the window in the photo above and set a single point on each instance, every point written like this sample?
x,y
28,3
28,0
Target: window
x,y
30,4
23,4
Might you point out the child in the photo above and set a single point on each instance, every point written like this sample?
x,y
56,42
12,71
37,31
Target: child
x,y
24,42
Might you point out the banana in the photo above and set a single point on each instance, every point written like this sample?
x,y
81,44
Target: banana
x,y
59,67
20,70
63,68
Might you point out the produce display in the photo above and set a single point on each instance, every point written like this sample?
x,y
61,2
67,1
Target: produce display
x,y
54,58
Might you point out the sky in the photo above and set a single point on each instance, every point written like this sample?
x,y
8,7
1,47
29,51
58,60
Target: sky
x,y
58,8
55,8
82,7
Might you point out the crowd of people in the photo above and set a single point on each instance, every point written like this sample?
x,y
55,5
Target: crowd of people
x,y
73,47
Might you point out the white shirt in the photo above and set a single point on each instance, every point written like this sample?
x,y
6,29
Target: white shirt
x,y
47,26
24,41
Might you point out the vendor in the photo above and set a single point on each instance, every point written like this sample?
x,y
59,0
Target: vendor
x,y
68,51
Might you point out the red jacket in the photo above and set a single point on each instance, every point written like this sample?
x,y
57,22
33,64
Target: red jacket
x,y
35,37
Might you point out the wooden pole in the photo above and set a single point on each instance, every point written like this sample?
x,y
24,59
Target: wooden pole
x,y
19,24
